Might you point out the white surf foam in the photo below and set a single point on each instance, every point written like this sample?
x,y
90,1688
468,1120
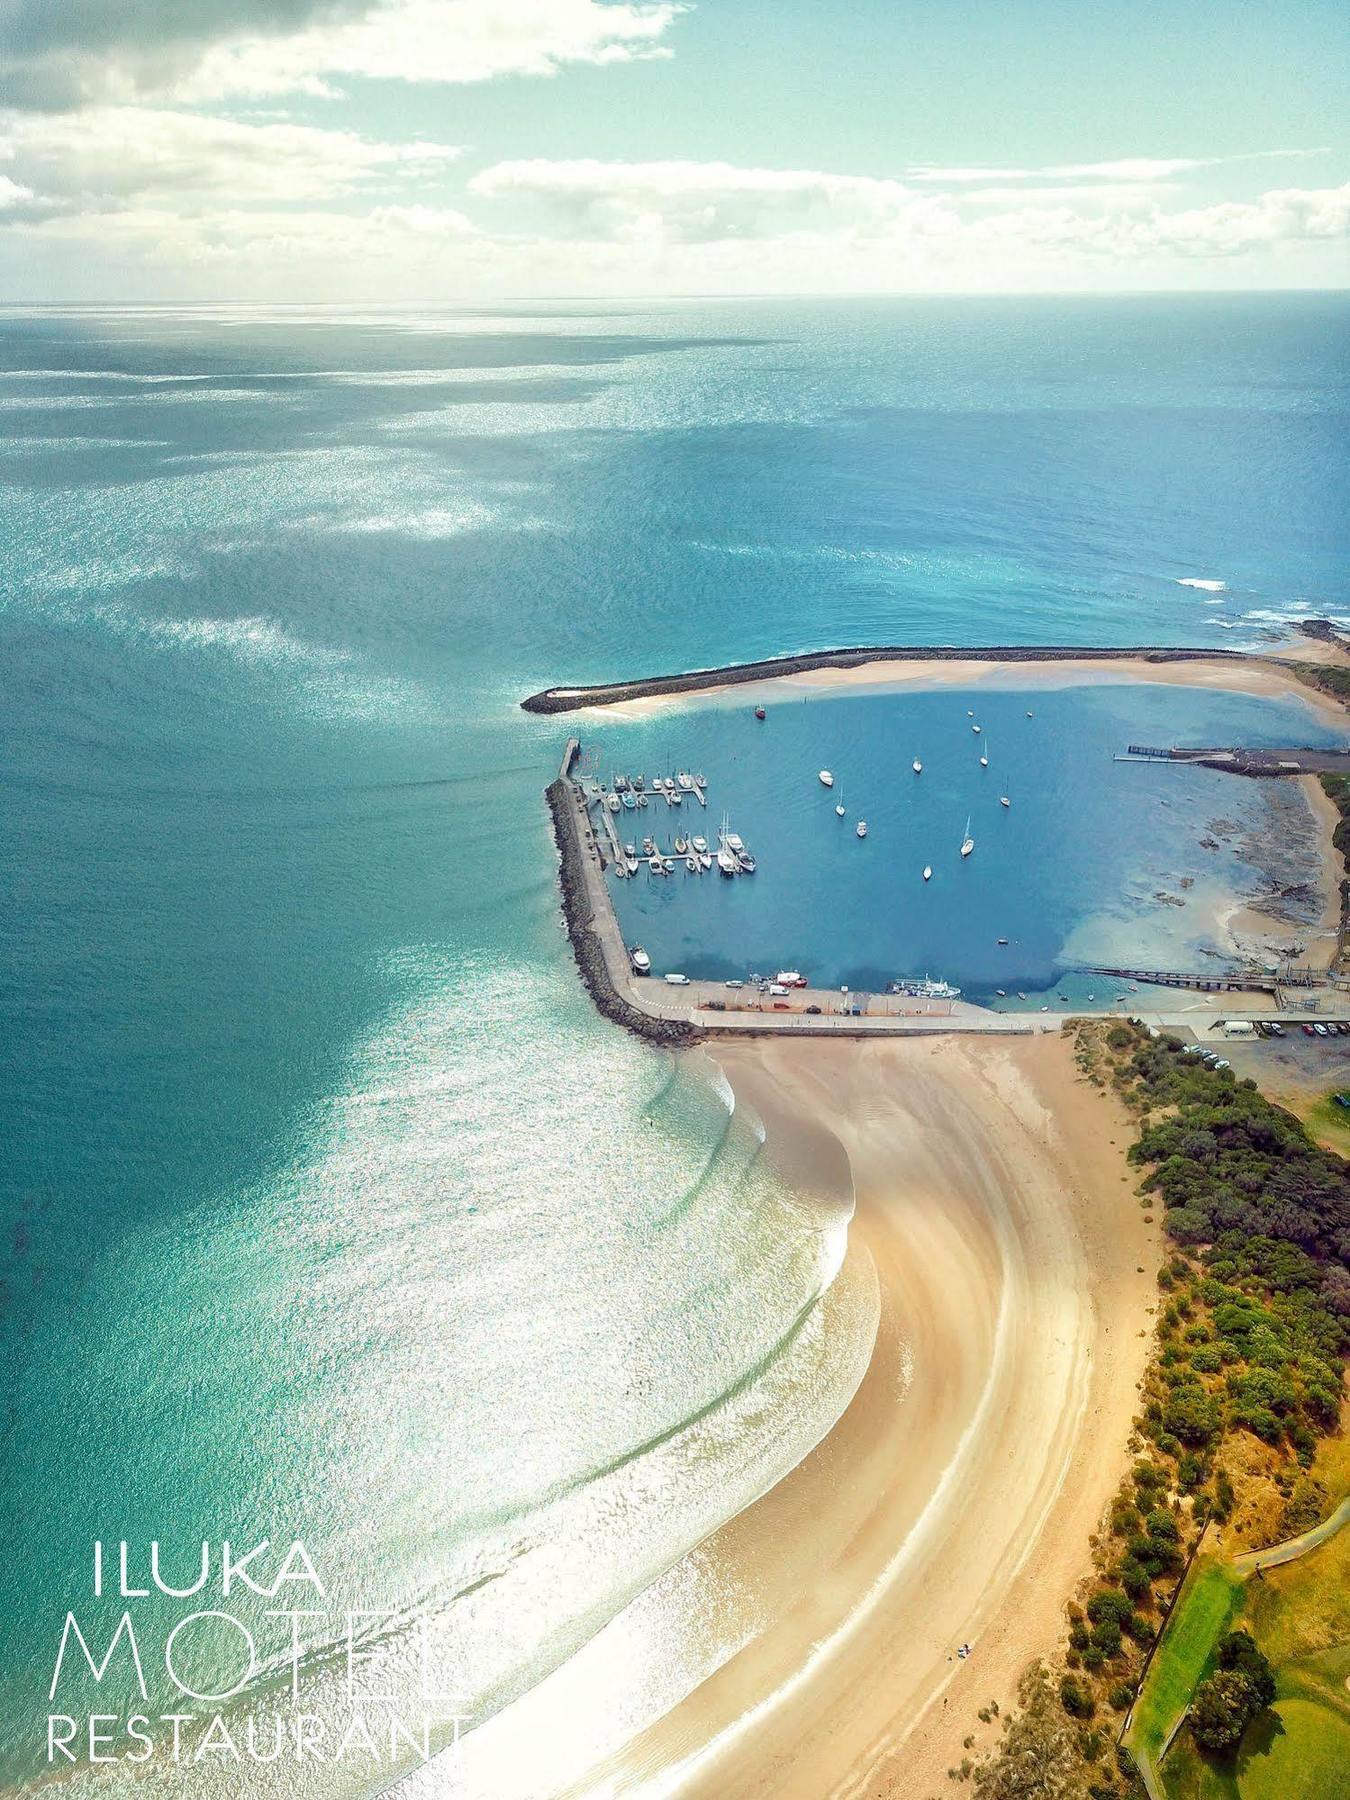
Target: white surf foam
x,y
1208,587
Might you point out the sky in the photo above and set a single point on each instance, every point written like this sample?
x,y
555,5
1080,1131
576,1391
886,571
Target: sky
x,y
387,150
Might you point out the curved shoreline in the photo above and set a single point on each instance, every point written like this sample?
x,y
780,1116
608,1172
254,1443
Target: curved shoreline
x,y
573,699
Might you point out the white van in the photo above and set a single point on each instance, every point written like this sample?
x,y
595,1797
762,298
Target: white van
x,y
777,989
678,980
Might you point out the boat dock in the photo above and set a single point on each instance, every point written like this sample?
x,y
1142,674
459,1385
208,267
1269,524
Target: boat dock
x,y
1239,761
685,1012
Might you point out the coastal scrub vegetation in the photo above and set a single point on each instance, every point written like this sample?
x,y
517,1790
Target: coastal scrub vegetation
x,y
1246,1380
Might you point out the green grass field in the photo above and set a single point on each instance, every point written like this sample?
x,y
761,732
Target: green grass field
x,y
1300,1616
1208,1601
1329,1123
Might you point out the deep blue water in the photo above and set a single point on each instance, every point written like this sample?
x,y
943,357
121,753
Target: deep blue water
x,y
289,1036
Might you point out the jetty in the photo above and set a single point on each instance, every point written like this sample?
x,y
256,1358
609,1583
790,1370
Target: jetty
x,y
571,699
1237,760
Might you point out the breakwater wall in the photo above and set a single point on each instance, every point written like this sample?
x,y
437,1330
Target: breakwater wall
x,y
570,699
579,917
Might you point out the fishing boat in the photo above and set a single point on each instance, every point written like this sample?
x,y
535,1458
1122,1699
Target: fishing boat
x,y
967,842
917,766
862,827
640,959
927,871
826,779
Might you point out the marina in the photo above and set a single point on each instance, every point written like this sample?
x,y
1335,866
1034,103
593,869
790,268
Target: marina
x,y
862,871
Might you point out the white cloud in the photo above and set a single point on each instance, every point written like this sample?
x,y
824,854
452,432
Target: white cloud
x,y
123,50
697,201
1134,170
110,154
690,202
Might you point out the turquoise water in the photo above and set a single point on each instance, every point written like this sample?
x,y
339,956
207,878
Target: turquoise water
x,y
1069,872
332,1211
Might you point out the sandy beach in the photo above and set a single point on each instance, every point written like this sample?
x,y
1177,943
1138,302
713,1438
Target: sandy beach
x,y
954,1499
1261,676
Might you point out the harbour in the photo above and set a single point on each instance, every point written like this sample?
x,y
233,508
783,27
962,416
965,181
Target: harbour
x,y
875,881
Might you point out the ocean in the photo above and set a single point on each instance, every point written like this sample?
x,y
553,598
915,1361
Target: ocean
x,y
332,1211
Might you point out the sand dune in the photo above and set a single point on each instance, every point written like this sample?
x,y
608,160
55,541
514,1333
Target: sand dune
x,y
954,1499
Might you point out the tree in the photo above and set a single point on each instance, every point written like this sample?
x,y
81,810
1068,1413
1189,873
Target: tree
x,y
1220,1712
1239,1652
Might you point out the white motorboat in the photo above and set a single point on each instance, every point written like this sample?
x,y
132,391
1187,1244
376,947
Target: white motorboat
x,y
927,872
649,846
686,781
840,809
613,802
984,762
704,860
917,766
726,862
733,841
698,843
681,846
641,961
967,842
862,827
975,729
691,863
1003,800
826,779
656,866
746,861
668,864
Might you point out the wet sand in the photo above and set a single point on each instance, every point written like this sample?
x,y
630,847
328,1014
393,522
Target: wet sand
x,y
953,1500
1262,676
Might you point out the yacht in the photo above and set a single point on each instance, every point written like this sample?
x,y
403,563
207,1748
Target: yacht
x,y
967,842
862,827
726,862
917,766
826,779
733,841
642,963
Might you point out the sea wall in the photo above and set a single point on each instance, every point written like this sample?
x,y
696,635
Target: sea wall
x,y
579,916
569,699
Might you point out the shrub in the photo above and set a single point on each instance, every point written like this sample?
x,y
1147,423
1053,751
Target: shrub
x,y
1075,1698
